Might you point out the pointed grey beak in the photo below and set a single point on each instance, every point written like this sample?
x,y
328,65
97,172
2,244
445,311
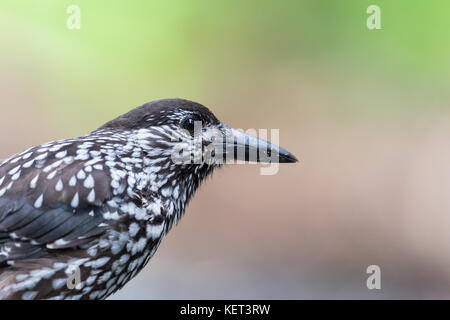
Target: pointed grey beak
x,y
237,145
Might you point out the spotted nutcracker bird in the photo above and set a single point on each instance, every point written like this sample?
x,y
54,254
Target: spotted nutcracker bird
x,y
103,202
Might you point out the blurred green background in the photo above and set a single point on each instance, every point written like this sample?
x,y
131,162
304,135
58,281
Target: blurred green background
x,y
367,111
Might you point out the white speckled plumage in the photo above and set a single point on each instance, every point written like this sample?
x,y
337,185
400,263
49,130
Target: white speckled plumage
x,y
121,178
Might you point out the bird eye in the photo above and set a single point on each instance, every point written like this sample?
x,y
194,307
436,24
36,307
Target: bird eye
x,y
188,124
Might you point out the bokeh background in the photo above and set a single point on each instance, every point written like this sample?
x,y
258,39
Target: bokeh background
x,y
366,111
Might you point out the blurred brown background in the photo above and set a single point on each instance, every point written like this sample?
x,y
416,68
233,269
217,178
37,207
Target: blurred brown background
x,y
366,111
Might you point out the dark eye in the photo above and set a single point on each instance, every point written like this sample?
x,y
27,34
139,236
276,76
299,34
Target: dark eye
x,y
188,124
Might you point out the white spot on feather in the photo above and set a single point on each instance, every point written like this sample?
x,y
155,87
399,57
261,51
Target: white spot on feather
x,y
29,295
89,182
75,201
42,156
51,175
58,283
59,186
14,171
133,229
73,182
124,258
25,157
34,182
81,175
99,262
61,154
16,176
38,202
154,232
166,192
28,164
91,196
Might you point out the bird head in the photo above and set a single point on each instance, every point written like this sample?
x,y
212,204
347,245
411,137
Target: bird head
x,y
189,134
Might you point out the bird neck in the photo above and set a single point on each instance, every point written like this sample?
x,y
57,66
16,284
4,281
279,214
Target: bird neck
x,y
187,183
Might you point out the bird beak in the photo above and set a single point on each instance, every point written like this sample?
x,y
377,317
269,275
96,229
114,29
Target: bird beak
x,y
237,145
